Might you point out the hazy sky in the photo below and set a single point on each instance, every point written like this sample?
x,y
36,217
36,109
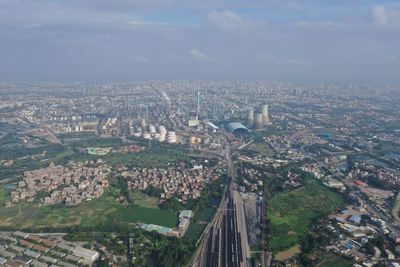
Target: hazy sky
x,y
126,40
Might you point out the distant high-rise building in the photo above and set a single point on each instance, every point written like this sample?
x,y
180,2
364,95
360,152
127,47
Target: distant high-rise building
x,y
214,110
198,102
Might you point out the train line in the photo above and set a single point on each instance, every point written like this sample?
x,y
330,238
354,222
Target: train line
x,y
224,242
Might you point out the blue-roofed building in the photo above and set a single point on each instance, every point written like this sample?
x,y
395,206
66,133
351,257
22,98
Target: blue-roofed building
x,y
325,135
236,128
349,245
355,218
153,227
340,219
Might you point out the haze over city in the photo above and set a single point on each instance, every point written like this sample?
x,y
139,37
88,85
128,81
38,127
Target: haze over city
x,y
286,40
182,133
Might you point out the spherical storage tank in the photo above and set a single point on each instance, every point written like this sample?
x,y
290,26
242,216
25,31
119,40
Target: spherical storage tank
x,y
152,129
171,137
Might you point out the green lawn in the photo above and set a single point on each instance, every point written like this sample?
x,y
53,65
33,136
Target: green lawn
x,y
4,195
77,135
95,141
291,213
262,148
142,200
199,223
328,259
159,158
204,215
150,157
194,231
135,213
94,213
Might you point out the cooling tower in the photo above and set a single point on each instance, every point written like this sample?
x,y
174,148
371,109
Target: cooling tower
x,y
265,116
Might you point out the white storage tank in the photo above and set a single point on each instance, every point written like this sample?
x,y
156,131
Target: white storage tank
x,y
171,137
152,129
146,135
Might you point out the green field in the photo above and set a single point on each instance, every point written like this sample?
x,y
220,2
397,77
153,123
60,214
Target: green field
x,y
91,214
51,149
135,213
95,213
328,259
150,157
262,148
291,213
4,195
76,135
204,215
142,200
96,141
199,223
194,231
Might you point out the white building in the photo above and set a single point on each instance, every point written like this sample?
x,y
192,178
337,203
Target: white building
x,y
89,256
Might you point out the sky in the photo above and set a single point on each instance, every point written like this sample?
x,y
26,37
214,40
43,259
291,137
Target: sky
x,y
343,41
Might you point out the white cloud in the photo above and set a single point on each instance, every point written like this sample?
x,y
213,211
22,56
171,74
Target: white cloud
x,y
317,24
384,16
380,15
37,14
198,55
139,22
225,20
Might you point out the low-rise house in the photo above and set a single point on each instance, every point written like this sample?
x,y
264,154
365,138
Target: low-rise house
x,y
48,259
36,263
32,254
65,247
22,259
12,263
17,248
74,259
20,234
7,254
65,264
56,253
40,248
26,243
